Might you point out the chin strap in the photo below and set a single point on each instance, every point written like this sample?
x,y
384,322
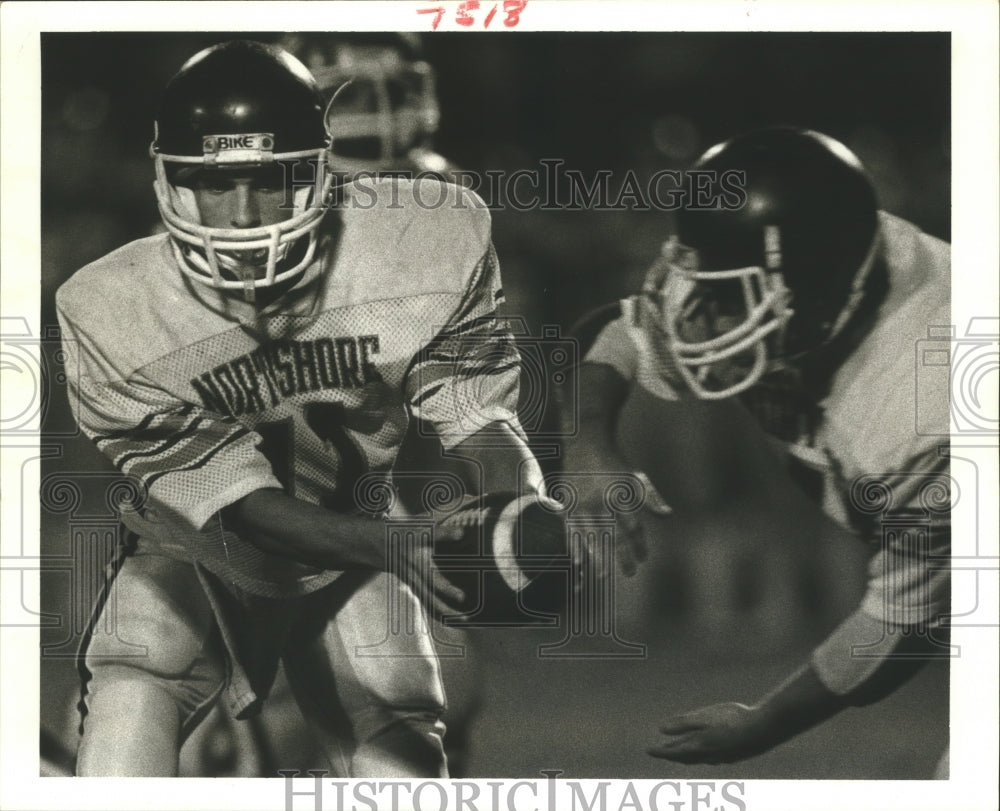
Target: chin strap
x,y
858,286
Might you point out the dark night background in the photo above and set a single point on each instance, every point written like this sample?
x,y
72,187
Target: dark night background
x,y
619,101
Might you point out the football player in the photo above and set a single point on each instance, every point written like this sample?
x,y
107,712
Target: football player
x,y
252,368
787,295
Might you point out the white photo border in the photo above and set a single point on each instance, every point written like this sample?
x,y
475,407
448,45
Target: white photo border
x,y
973,27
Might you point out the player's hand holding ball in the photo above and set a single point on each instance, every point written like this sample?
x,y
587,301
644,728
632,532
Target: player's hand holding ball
x,y
488,549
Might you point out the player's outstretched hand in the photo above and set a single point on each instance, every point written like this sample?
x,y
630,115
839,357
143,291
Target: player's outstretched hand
x,y
720,733
630,549
630,546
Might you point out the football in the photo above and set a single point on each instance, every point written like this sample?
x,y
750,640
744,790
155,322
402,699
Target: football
x,y
507,553
510,558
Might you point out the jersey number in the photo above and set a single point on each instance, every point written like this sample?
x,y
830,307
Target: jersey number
x,y
326,420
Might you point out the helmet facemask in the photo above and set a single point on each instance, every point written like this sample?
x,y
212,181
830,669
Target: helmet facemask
x,y
717,324
726,329
246,259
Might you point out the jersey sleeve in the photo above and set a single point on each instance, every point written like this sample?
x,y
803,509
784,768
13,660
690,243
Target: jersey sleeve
x,y
613,347
468,376
626,346
191,462
909,584
909,577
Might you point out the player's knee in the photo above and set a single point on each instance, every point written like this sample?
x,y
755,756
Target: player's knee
x,y
415,687
400,744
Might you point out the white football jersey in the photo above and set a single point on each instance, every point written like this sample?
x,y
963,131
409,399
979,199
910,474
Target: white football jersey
x,y
204,397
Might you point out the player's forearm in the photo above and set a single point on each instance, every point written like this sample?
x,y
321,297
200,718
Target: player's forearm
x,y
291,528
730,731
797,704
894,655
497,460
593,447
836,677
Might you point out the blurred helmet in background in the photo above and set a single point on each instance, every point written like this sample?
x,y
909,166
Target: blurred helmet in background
x,y
756,281
241,105
381,95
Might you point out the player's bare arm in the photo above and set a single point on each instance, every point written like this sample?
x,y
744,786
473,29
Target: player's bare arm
x,y
731,731
306,533
602,392
282,525
594,449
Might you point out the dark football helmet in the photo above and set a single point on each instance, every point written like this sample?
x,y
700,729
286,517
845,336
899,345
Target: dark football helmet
x,y
381,96
754,282
241,104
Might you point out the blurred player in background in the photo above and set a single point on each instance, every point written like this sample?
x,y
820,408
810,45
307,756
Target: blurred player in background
x,y
383,109
249,370
790,301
